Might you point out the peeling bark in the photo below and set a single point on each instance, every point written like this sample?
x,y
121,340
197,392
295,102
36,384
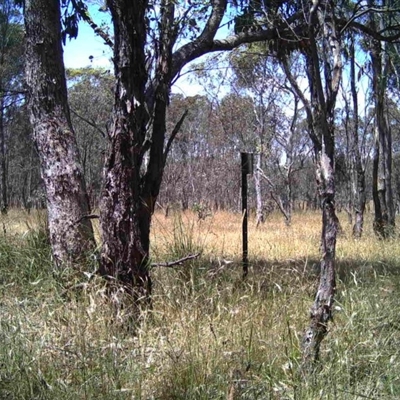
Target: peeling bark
x,y
124,214
321,310
71,235
320,118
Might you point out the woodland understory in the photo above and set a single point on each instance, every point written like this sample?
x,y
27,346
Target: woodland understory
x,y
117,176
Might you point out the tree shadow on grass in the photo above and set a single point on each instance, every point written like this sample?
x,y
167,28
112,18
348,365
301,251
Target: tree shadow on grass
x,y
304,272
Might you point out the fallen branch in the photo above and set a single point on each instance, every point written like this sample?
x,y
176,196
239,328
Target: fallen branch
x,y
177,262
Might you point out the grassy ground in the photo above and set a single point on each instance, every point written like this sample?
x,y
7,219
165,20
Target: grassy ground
x,y
208,336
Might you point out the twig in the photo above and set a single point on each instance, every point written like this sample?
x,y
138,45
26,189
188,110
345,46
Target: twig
x,y
177,262
89,216
93,125
277,200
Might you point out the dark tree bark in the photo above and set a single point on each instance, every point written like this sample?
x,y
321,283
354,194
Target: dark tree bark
x,y
125,214
71,234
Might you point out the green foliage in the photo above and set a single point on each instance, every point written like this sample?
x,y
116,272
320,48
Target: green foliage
x,y
11,51
71,17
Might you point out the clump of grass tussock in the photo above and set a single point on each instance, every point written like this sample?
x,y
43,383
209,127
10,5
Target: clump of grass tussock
x,y
208,335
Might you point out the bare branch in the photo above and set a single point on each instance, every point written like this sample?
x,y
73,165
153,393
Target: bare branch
x,y
276,199
366,11
304,100
177,262
365,29
92,124
174,132
203,43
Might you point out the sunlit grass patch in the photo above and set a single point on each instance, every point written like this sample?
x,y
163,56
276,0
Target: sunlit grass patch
x,y
209,335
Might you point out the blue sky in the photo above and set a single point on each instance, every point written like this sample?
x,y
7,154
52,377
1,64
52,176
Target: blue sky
x,y
77,52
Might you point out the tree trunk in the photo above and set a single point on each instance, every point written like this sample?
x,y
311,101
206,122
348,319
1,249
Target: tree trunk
x,y
384,221
259,199
124,252
71,234
4,194
380,214
323,99
321,310
359,195
125,215
320,116
289,194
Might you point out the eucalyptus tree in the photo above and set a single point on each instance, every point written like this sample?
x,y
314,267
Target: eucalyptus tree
x,y
153,42
357,146
11,71
384,221
322,50
375,25
359,167
71,233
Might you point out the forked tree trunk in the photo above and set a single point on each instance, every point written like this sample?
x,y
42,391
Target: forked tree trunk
x,y
124,213
71,234
320,116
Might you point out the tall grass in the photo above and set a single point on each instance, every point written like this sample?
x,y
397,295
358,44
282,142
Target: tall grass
x,y
208,336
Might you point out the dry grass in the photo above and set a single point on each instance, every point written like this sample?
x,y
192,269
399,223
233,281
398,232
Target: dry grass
x,y
209,335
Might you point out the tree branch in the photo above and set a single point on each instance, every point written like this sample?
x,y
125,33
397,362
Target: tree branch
x,y
304,100
277,200
365,29
174,132
203,43
84,14
93,125
177,262
366,11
